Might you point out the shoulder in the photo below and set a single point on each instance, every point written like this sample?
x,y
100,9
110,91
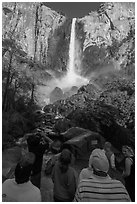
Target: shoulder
x,y
117,183
34,188
83,170
8,182
72,172
129,161
86,171
35,191
34,195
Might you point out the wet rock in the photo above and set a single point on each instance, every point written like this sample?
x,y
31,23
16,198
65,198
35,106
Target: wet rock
x,y
56,95
74,89
71,92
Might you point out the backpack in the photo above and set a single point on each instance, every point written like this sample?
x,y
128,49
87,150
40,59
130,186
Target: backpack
x,y
50,163
49,166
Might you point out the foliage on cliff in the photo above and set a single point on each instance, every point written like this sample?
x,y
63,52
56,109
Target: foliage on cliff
x,y
25,31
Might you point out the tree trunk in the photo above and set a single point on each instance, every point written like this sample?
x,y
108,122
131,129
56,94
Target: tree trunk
x,y
14,93
32,94
7,84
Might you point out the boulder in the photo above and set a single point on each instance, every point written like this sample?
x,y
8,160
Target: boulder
x,y
118,135
82,144
74,89
71,92
56,94
73,132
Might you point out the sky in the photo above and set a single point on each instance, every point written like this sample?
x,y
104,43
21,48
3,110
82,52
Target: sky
x,y
74,9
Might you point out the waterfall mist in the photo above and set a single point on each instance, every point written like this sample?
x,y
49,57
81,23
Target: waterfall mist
x,y
73,75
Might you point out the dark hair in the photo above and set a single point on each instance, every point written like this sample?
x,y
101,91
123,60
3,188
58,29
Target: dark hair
x,y
24,168
66,146
22,174
65,160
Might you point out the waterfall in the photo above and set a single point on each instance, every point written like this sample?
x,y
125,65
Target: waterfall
x,y
72,78
71,68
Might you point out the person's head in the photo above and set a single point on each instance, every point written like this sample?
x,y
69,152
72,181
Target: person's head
x,y
65,160
66,146
96,142
107,146
127,151
98,161
24,167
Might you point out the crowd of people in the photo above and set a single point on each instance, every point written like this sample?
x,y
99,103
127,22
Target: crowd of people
x,y
96,183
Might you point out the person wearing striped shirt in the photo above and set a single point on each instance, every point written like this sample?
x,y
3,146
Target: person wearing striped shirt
x,y
99,187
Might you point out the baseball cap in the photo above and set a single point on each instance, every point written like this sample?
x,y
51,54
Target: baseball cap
x,y
99,161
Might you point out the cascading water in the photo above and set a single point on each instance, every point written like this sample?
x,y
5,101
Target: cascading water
x,y
71,67
72,78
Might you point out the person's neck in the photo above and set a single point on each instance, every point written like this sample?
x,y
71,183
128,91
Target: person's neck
x,y
99,173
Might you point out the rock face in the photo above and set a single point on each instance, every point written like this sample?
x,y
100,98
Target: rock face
x,y
71,92
58,47
35,24
109,36
56,95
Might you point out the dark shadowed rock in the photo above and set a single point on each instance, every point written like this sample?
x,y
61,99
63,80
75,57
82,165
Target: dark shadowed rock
x,y
73,132
81,145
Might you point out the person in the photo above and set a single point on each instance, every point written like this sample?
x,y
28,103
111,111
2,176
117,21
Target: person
x,y
20,188
110,155
37,146
129,170
86,172
111,158
64,178
96,143
100,187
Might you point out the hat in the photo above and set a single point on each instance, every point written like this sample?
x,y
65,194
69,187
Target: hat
x,y
99,161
